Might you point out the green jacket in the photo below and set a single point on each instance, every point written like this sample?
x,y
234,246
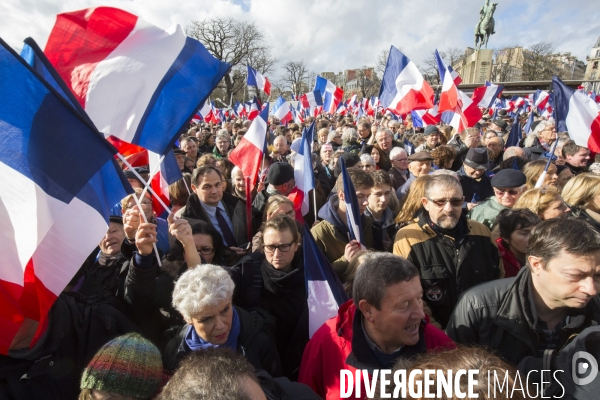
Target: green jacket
x,y
486,212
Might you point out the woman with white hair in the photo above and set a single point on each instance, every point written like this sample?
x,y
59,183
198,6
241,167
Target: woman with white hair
x,y
350,141
203,297
540,140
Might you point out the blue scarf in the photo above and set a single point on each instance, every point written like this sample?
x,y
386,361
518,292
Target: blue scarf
x,y
196,343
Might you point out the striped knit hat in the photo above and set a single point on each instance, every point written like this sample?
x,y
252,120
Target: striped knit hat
x,y
129,365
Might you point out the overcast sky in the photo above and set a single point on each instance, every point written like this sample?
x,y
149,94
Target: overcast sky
x,y
333,35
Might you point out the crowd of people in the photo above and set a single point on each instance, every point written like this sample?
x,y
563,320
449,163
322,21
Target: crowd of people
x,y
466,263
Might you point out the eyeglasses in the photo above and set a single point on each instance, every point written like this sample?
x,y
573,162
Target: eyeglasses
x,y
453,202
512,192
206,251
400,159
367,166
284,248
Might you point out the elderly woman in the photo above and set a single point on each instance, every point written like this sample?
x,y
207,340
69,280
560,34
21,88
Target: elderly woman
x,y
350,141
366,163
540,140
273,281
203,297
546,202
582,194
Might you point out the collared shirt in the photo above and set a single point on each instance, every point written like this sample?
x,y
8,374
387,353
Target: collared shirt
x,y
211,211
372,344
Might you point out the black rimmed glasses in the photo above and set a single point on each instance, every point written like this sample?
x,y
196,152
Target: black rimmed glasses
x,y
284,248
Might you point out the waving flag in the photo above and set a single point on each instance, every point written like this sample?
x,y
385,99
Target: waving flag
x,y
324,291
540,99
465,115
164,175
352,207
455,76
303,170
331,94
135,81
53,209
255,78
249,152
403,88
515,135
577,114
527,127
253,108
484,96
311,100
449,96
282,110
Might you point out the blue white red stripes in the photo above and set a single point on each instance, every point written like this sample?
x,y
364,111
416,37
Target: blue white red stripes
x,y
303,169
484,96
449,95
136,81
257,79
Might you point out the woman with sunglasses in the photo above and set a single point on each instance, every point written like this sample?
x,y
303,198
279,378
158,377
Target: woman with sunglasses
x,y
272,283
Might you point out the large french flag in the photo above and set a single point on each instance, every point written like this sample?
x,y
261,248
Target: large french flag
x,y
255,78
403,88
465,115
163,173
58,181
577,114
249,152
324,291
311,99
484,96
252,108
449,96
135,81
303,170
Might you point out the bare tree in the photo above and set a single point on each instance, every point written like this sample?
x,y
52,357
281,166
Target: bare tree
x,y
295,75
452,56
537,62
367,82
236,42
382,62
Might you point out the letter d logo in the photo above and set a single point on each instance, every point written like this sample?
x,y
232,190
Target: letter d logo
x,y
580,368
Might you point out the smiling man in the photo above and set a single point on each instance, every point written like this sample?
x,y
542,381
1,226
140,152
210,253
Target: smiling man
x,y
551,300
452,253
384,322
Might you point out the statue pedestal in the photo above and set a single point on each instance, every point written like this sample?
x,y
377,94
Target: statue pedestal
x,y
477,67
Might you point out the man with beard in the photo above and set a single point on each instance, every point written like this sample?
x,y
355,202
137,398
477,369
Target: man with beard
x,y
451,252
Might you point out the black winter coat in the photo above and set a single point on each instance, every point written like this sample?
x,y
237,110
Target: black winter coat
x,y
255,343
52,369
501,315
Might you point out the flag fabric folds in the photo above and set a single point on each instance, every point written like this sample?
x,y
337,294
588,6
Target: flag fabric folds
x,y
331,94
282,110
577,114
303,169
135,81
352,207
514,136
53,210
484,96
403,88
255,78
249,152
449,97
164,175
324,291
527,127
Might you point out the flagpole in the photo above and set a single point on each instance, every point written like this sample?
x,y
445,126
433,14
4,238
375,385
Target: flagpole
x,y
137,202
156,167
542,178
315,203
248,209
162,203
186,186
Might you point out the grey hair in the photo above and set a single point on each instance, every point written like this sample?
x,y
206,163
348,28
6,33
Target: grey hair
x,y
441,181
331,135
395,151
541,126
386,131
223,132
349,135
446,172
377,271
222,135
199,287
367,158
235,170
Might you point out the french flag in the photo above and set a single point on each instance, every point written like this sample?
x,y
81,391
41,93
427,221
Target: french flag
x,y
311,100
324,291
249,152
136,81
465,115
449,96
303,170
255,78
162,174
331,94
341,110
484,96
455,76
54,210
253,109
403,88
282,110
540,99
577,114
352,206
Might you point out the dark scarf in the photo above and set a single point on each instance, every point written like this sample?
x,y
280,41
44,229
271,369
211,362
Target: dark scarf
x,y
196,343
457,233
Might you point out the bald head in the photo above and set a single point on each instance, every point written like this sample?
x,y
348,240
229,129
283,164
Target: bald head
x,y
513,151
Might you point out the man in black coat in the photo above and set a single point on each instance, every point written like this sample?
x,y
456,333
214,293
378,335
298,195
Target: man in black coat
x,y
223,211
475,184
548,303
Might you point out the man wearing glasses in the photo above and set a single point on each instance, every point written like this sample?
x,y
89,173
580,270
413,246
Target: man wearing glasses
x,y
399,171
452,253
508,185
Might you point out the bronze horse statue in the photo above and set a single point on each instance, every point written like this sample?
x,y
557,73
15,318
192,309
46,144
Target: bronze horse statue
x,y
485,27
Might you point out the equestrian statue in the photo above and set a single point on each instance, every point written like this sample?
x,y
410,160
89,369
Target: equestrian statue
x,y
485,26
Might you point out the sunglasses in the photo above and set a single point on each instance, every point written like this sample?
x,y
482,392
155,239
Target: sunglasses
x,y
442,202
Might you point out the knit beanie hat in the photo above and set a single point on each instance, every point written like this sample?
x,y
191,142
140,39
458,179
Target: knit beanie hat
x,y
129,365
